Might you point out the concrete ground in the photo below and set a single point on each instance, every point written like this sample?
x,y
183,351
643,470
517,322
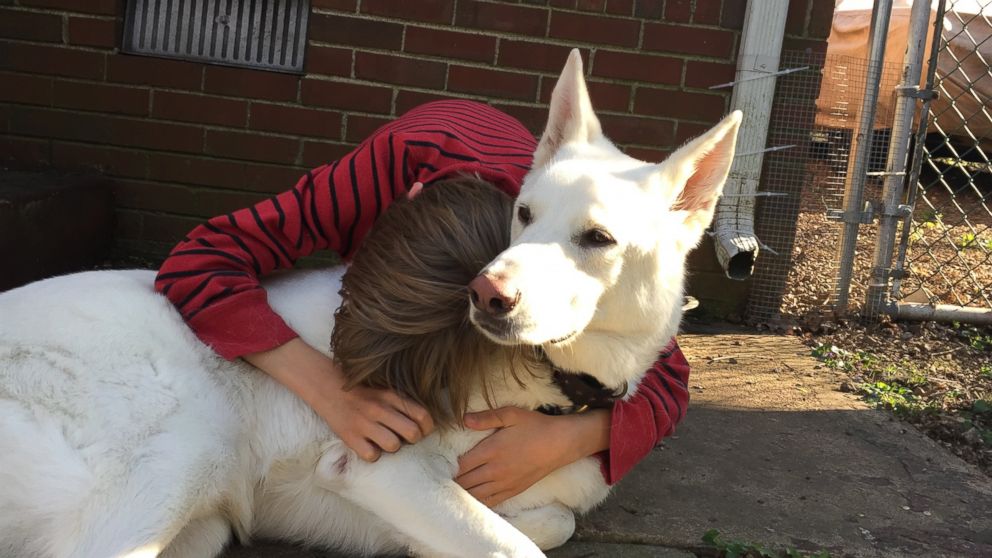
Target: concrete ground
x,y
772,453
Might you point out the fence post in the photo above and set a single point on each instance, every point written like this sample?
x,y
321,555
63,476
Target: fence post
x,y
857,170
892,211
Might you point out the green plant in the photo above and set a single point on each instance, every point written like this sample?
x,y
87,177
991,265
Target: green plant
x,y
969,240
986,370
730,548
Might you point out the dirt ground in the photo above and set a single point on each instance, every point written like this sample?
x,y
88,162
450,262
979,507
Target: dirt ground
x,y
935,376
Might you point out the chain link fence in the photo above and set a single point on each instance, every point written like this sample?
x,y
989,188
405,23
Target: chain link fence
x,y
932,215
946,251
815,114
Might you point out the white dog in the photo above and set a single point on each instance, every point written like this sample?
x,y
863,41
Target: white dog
x,y
122,435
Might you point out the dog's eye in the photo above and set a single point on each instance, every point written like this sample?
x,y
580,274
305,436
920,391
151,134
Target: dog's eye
x,y
596,238
523,213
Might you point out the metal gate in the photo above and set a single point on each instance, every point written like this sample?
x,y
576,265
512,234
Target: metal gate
x,y
879,187
940,228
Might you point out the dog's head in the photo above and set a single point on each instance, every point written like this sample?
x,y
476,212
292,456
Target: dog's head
x,y
593,227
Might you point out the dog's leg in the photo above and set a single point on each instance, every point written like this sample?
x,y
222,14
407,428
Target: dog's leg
x,y
201,538
410,491
548,526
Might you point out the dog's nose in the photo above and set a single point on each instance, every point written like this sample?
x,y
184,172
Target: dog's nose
x,y
492,295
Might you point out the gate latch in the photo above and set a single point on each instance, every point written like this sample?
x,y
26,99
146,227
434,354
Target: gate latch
x,y
863,217
915,92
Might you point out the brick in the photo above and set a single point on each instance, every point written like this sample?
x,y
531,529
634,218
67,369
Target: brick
x,y
638,130
361,127
820,19
347,96
296,120
534,56
732,14
596,6
107,160
532,117
524,20
24,152
316,153
648,154
686,131
221,173
144,70
100,7
688,40
567,4
158,227
450,44
637,67
34,26
44,59
23,88
355,32
706,12
401,71
608,96
406,100
818,46
255,84
101,97
328,61
679,104
795,19
251,147
701,75
431,11
679,11
649,9
340,5
492,83
94,32
151,196
605,96
111,130
201,109
620,7
594,29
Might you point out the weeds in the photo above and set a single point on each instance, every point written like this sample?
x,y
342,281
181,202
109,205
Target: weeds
x,y
745,549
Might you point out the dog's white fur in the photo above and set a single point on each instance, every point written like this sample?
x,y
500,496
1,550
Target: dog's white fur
x,y
122,435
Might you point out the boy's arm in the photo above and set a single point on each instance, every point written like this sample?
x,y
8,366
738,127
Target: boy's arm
x,y
529,445
643,421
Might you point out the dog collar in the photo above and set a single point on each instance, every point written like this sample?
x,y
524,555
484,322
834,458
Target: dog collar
x,y
583,390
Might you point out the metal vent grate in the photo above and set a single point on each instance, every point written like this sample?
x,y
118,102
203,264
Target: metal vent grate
x,y
254,33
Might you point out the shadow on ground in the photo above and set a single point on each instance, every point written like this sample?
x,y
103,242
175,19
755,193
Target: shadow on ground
x,y
771,452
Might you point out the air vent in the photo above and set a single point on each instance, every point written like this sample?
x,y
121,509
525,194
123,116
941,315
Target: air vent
x,y
268,34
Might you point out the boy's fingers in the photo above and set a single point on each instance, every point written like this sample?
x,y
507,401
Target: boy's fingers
x,y
402,425
386,439
414,190
486,420
414,412
474,478
366,450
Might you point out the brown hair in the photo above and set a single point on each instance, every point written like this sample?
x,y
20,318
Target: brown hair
x,y
403,323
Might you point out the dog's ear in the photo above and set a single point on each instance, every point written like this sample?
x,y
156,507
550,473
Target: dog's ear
x,y
571,117
699,170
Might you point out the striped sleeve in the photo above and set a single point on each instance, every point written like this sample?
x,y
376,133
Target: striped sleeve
x,y
213,275
641,422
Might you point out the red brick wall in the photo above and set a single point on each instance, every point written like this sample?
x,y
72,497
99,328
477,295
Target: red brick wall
x,y
185,141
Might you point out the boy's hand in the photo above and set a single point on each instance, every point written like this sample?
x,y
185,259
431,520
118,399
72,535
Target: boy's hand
x,y
369,421
527,446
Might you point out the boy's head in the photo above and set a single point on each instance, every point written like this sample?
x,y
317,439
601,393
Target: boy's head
x,y
404,322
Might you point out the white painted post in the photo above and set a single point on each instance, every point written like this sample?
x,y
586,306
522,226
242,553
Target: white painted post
x,y
754,89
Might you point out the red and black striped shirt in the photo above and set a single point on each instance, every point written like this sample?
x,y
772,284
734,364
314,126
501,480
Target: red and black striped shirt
x,y
212,276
